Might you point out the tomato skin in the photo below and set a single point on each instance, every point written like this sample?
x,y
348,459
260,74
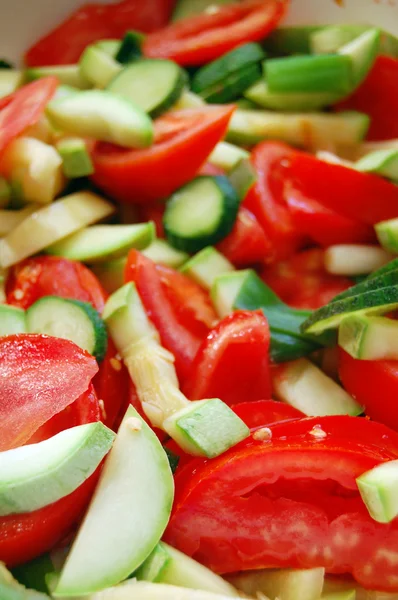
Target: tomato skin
x,y
182,342
24,108
233,362
302,281
374,384
93,22
265,199
293,496
364,197
378,97
263,413
183,141
199,39
247,244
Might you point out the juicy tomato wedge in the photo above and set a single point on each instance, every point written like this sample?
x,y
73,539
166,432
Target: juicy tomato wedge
x,y
24,108
202,38
40,376
323,225
92,22
183,141
378,97
364,197
49,275
263,413
296,501
302,282
247,244
374,384
233,362
169,316
265,199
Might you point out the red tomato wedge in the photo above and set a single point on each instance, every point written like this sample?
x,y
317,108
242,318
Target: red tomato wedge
x,y
374,384
233,362
49,275
263,413
360,196
184,139
247,244
302,282
40,376
93,22
199,39
378,97
24,108
295,500
265,199
169,318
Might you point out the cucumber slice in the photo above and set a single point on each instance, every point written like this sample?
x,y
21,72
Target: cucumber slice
x,y
12,320
302,385
206,266
355,259
233,86
188,100
98,67
285,584
201,213
34,573
10,80
103,116
328,40
307,130
10,589
369,338
110,46
63,91
76,161
9,219
154,85
227,156
130,48
362,51
330,73
127,515
381,162
51,224
383,278
305,101
387,234
111,274
66,74
162,253
70,319
379,491
144,590
243,176
36,475
104,242
187,8
151,569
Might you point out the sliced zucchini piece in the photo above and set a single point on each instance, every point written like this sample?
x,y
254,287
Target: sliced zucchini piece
x,y
379,490
98,66
12,320
104,242
130,48
154,85
362,52
52,223
206,266
227,156
76,161
285,584
10,80
162,253
305,101
303,385
103,116
369,338
307,130
201,213
36,475
355,259
69,319
382,162
66,75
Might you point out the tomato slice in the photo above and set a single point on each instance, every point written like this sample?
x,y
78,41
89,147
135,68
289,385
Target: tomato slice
x,y
173,311
266,200
378,97
92,22
184,139
24,108
40,376
233,362
247,244
302,282
199,39
363,197
295,499
263,413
